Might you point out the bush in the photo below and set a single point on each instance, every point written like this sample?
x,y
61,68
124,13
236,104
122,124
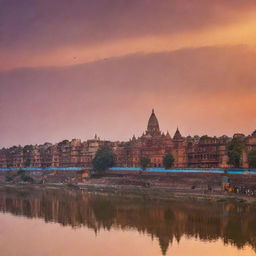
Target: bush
x,y
20,172
9,178
26,178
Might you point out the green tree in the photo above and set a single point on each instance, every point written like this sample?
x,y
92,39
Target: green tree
x,y
144,162
103,159
252,158
168,161
235,149
234,158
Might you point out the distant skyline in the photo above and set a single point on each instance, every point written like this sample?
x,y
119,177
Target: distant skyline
x,y
70,69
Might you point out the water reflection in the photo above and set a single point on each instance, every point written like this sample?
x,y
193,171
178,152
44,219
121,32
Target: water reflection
x,y
235,224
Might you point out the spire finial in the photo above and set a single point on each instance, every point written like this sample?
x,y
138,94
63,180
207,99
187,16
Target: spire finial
x,y
153,112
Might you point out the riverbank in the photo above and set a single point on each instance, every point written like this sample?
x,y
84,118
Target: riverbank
x,y
159,194
192,186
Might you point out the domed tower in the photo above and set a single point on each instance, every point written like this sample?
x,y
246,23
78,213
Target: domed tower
x,y
153,125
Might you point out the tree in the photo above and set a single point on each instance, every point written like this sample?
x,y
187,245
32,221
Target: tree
x,y
64,142
103,159
252,158
144,162
168,161
205,137
234,158
235,149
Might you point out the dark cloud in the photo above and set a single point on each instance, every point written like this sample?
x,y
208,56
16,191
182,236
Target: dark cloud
x,y
36,25
113,97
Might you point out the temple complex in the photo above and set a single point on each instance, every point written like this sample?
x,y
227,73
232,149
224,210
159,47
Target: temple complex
x,y
188,152
154,145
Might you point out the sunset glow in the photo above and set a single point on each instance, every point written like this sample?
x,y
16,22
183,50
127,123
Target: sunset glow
x,y
190,60
239,33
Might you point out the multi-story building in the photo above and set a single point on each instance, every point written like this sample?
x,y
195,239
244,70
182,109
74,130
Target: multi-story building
x,y
250,143
188,152
207,152
3,159
36,157
14,157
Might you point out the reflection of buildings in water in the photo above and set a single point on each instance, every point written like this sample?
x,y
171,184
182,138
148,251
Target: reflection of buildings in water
x,y
235,225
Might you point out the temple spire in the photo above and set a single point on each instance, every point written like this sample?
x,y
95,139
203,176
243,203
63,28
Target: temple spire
x,y
153,125
177,135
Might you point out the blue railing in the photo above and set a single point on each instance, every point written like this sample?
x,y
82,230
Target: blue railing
x,y
176,170
187,170
45,169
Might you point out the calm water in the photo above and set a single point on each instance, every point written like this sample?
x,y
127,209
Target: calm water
x,y
64,222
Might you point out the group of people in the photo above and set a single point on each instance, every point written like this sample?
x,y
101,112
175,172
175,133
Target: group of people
x,y
240,190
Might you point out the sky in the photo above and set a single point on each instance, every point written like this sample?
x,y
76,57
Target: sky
x,y
73,68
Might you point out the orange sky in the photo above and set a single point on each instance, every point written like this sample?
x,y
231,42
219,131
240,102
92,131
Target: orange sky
x,y
75,69
242,32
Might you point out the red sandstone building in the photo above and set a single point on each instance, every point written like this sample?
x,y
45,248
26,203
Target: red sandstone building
x,y
188,152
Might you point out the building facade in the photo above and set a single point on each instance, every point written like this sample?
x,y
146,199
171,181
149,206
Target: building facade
x,y
188,152
204,152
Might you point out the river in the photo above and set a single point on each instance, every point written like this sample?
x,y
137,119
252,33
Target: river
x,y
61,222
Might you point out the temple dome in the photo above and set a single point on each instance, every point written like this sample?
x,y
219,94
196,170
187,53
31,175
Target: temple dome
x,y
153,125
